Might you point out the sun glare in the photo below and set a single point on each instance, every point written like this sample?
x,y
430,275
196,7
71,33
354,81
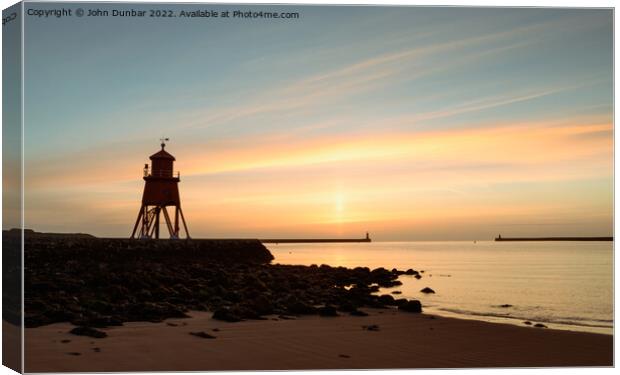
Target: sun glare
x,y
339,207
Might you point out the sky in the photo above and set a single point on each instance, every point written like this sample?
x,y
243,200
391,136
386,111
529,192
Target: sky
x,y
411,123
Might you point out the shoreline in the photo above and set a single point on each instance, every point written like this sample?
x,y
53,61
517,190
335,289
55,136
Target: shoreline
x,y
511,297
519,322
400,340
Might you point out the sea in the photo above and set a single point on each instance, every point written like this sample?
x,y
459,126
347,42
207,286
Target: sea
x,y
563,285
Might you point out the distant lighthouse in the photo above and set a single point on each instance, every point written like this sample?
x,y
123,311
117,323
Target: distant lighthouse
x,y
161,190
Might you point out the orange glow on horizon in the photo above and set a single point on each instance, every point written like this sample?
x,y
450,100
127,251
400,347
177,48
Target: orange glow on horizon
x,y
442,177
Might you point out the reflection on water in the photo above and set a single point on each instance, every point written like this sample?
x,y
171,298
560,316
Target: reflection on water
x,y
565,285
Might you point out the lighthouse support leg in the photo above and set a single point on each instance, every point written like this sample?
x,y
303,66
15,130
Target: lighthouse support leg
x,y
157,223
147,223
184,224
168,223
135,227
176,221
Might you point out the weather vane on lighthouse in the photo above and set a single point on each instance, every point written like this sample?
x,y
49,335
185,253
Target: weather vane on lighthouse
x,y
161,190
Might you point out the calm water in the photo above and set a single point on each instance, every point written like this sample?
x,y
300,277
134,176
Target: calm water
x,y
564,285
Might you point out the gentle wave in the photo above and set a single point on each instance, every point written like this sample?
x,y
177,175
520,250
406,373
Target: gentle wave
x,y
573,322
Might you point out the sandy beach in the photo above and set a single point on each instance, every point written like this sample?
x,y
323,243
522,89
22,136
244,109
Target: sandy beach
x,y
402,340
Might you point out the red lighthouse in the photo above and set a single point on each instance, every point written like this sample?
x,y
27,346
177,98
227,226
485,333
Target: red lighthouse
x,y
161,190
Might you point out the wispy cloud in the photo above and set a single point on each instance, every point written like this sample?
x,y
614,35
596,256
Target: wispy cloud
x,y
547,142
370,74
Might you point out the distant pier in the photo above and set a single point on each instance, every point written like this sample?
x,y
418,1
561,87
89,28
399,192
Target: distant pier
x,y
500,238
315,240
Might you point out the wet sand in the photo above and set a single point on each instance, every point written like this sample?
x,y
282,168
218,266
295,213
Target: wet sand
x,y
403,340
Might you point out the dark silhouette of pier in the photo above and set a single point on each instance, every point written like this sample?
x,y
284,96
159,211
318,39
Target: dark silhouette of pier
x,y
315,240
500,238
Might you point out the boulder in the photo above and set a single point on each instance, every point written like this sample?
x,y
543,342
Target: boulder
x,y
88,331
347,306
358,313
387,299
300,308
260,305
400,301
327,310
427,290
202,335
372,327
389,283
226,314
413,306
